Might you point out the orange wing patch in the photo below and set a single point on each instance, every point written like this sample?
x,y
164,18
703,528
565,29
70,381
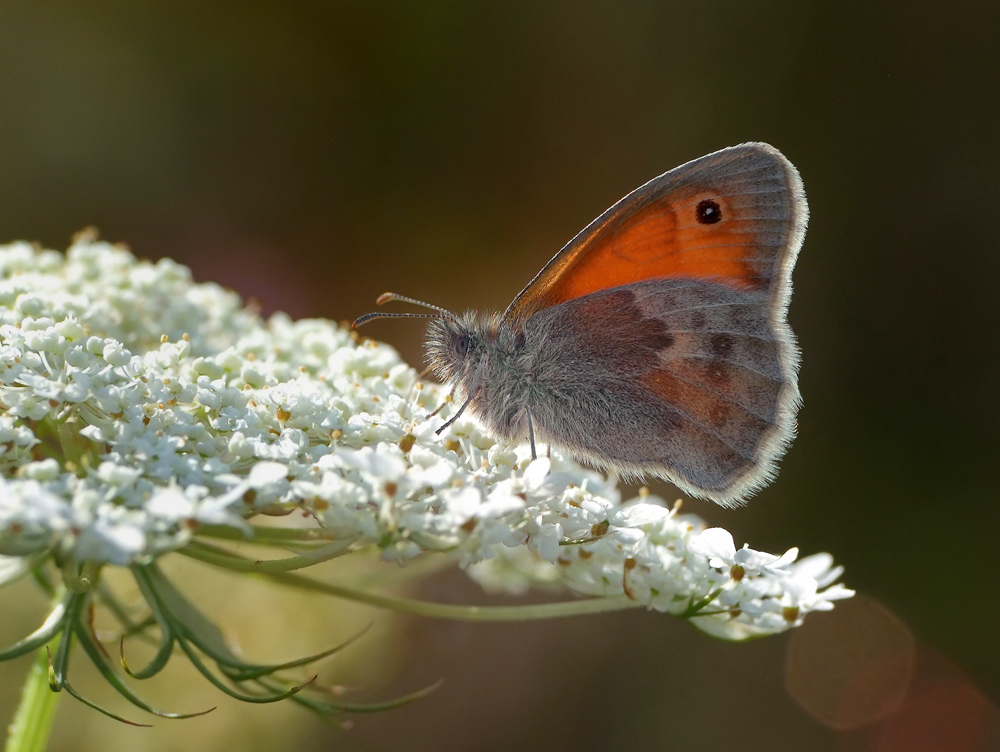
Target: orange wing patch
x,y
661,240
735,217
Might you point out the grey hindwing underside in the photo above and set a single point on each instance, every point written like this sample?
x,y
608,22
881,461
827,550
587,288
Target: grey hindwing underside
x,y
683,379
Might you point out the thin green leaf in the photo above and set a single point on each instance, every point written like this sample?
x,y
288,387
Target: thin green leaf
x,y
378,707
99,709
189,624
323,706
59,665
120,612
184,618
12,568
52,625
155,665
161,619
89,643
242,676
258,699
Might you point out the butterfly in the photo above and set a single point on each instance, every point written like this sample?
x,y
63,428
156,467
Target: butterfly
x,y
655,343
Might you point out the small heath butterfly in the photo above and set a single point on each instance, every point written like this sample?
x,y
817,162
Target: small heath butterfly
x,y
655,342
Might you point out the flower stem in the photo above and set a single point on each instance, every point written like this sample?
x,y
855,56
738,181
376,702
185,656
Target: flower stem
x,y
529,612
29,731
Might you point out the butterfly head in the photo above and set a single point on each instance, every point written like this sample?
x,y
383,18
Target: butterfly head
x,y
457,347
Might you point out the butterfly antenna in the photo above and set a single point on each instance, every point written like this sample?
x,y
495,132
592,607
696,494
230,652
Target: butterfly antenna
x,y
379,315
388,297
391,296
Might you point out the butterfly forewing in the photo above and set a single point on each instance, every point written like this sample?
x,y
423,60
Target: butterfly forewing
x,y
736,216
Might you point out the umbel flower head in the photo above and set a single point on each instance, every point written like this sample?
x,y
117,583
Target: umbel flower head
x,y
144,414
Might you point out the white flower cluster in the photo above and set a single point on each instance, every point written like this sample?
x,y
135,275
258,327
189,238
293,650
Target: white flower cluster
x,y
138,405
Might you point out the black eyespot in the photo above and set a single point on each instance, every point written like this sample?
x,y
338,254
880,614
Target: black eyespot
x,y
708,212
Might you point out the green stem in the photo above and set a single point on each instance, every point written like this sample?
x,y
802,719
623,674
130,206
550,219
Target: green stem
x,y
269,536
430,609
29,732
528,612
218,555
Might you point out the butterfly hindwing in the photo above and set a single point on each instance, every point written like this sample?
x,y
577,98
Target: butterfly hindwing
x,y
681,379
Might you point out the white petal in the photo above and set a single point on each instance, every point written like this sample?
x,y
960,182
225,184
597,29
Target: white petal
x,y
715,543
537,471
114,543
638,514
266,472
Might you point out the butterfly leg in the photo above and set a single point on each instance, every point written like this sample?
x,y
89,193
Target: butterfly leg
x,y
531,433
457,415
441,406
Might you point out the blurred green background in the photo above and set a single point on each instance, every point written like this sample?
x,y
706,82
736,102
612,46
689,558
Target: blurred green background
x,y
312,155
